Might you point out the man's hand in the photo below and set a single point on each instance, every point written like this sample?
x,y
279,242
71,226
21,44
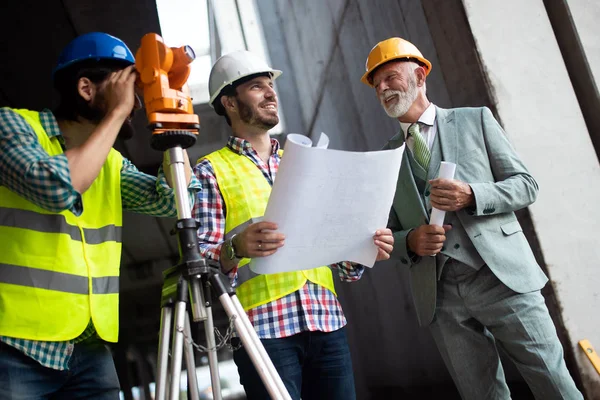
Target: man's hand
x,y
384,240
450,194
119,92
258,240
427,240
86,159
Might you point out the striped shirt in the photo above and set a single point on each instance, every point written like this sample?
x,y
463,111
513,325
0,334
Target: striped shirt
x,y
28,170
311,308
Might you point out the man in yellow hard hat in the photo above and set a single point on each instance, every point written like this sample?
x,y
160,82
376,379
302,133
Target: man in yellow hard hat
x,y
475,281
63,189
296,314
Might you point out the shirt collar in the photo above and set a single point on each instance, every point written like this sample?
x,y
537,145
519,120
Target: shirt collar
x,y
427,118
49,123
242,146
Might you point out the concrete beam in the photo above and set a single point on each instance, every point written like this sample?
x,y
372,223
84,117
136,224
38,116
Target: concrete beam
x,y
575,24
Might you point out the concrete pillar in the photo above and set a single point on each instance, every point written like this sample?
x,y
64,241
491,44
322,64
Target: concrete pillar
x,y
577,32
540,112
585,15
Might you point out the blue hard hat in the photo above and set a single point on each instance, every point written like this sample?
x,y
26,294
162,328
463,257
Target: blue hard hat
x,y
94,46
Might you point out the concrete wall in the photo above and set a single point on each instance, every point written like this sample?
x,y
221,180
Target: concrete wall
x,y
483,53
541,114
326,47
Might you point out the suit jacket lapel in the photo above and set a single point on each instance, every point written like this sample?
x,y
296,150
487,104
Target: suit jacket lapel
x,y
446,130
396,141
405,177
447,138
434,168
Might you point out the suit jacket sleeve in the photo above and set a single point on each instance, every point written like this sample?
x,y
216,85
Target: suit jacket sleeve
x,y
514,188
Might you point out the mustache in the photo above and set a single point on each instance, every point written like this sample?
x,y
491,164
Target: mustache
x,y
390,93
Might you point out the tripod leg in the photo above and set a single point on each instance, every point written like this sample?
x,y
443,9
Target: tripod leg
x,y
263,364
255,340
202,311
190,363
163,352
177,350
213,362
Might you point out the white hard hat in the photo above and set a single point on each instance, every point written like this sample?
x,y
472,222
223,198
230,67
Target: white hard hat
x,y
234,66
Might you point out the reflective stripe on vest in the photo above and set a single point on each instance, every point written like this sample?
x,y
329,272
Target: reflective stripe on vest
x,y
244,275
58,270
240,228
58,281
246,192
56,223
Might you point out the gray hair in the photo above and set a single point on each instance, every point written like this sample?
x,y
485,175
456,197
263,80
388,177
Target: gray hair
x,y
411,66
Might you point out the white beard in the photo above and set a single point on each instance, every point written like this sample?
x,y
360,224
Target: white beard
x,y
404,101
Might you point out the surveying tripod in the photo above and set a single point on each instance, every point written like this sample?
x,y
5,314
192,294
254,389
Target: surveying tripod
x,y
163,73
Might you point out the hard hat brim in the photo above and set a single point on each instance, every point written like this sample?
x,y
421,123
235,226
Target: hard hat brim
x,y
125,62
365,78
275,73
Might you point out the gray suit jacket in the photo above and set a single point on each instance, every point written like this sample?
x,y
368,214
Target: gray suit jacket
x,y
473,139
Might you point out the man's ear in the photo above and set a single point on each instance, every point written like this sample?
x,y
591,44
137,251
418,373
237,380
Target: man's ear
x,y
421,75
229,103
86,88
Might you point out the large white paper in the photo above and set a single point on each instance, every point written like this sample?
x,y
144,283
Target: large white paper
x,y
329,204
447,170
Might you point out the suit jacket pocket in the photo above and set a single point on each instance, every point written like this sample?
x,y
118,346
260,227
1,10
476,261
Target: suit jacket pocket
x,y
469,154
511,227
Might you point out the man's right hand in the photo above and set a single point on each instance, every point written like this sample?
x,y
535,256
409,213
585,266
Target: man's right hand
x,y
427,240
258,240
120,92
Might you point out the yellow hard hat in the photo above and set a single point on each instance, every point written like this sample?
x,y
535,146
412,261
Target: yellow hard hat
x,y
392,49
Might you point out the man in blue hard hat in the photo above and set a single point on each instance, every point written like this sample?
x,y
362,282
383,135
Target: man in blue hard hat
x,y
63,189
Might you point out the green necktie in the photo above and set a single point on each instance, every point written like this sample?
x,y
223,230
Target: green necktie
x,y
420,148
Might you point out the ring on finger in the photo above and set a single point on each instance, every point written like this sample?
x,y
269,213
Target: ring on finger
x,y
259,245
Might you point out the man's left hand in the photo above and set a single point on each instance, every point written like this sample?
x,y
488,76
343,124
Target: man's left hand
x,y
384,240
450,194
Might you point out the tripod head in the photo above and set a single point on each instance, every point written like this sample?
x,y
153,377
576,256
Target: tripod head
x,y
163,73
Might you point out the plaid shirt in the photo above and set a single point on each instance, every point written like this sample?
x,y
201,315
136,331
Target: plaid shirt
x,y
311,308
26,169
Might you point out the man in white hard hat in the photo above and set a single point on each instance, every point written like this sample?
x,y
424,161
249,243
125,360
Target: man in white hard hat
x,y
296,314
488,294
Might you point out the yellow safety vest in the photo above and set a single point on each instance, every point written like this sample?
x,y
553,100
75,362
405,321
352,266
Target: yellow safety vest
x,y
57,270
246,192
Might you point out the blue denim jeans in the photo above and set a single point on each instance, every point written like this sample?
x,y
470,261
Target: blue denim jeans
x,y
312,365
91,375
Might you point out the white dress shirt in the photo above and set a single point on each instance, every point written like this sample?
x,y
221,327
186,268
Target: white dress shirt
x,y
428,128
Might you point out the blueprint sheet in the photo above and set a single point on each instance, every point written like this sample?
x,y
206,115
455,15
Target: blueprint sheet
x,y
328,203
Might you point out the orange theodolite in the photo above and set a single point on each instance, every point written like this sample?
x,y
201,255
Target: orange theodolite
x,y
163,73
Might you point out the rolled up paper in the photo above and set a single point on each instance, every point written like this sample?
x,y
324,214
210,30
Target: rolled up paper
x,y
447,170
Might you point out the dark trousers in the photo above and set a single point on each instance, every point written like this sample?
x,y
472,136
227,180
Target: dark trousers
x,y
312,365
91,375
